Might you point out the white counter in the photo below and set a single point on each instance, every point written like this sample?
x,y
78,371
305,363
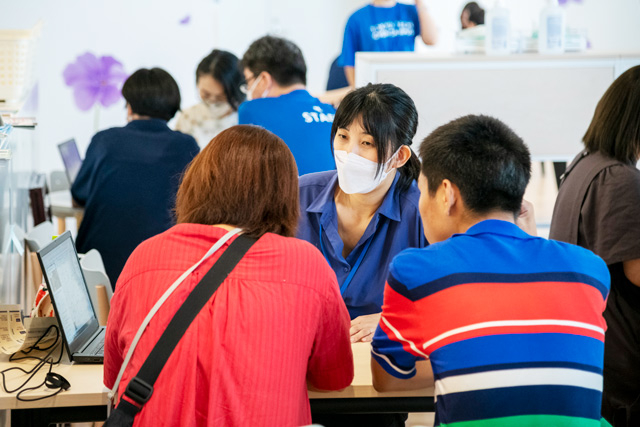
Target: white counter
x,y
548,100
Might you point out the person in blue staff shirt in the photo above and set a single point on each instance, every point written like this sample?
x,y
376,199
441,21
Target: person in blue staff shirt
x,y
366,212
385,26
277,99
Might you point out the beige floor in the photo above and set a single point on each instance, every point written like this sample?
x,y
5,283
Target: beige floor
x,y
542,192
420,420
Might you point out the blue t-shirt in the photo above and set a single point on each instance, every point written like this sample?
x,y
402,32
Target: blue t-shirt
x,y
303,123
380,29
127,185
512,325
395,226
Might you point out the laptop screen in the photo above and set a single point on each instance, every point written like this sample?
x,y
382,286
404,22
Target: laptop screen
x,y
70,295
71,159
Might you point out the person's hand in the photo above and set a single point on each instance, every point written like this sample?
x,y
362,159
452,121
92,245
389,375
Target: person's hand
x,y
526,220
420,4
428,30
363,327
335,96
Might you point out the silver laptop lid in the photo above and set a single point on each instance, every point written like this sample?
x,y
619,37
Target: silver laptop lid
x,y
71,159
68,290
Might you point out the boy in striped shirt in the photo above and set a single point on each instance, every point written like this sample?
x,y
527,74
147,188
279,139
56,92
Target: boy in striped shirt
x,y
507,326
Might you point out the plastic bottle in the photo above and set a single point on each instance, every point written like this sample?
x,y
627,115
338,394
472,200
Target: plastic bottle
x,y
498,22
553,22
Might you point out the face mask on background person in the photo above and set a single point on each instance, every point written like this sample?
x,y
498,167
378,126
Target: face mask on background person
x,y
218,109
253,87
357,175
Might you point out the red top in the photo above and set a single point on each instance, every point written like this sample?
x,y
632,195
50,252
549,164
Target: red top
x,y
276,321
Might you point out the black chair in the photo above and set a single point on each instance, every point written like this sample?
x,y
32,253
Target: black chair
x,y
337,79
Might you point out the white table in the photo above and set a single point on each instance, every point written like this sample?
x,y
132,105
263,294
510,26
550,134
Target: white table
x,y
86,399
62,207
361,397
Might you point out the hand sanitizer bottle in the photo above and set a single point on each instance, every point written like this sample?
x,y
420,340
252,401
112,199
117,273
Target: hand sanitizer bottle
x,y
498,24
551,37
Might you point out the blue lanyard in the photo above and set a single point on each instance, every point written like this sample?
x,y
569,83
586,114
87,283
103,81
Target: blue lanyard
x,y
346,282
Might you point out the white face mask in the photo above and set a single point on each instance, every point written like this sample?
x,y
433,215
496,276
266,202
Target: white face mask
x,y
253,87
357,175
218,109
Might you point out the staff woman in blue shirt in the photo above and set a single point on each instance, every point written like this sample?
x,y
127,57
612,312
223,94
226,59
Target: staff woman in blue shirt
x,y
366,212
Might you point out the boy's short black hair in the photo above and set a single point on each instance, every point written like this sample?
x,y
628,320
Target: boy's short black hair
x,y
483,157
277,56
152,92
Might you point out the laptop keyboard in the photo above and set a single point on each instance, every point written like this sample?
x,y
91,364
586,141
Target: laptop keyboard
x,y
99,350
96,348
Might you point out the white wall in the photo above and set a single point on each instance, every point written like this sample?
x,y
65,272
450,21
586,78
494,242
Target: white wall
x,y
611,25
147,33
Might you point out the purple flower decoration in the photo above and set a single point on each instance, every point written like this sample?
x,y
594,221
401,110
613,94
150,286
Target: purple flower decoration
x,y
95,79
185,20
565,2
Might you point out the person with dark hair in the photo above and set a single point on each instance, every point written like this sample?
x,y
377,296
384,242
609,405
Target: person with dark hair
x,y
151,93
275,83
472,15
275,325
507,326
218,78
473,29
385,26
598,207
366,212
128,180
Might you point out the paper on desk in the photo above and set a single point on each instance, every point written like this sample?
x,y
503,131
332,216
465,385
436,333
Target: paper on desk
x,y
15,337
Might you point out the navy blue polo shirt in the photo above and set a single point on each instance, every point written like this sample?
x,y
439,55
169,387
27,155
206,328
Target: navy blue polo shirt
x,y
303,123
395,226
127,185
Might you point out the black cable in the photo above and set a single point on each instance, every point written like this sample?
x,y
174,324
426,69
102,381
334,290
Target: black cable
x,y
42,361
35,345
37,367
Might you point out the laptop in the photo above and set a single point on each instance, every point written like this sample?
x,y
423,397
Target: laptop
x,y
82,335
71,159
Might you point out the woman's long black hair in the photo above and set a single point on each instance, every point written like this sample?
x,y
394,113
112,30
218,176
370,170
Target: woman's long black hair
x,y
224,67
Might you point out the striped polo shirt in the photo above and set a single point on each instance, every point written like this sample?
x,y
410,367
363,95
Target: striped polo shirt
x,y
512,325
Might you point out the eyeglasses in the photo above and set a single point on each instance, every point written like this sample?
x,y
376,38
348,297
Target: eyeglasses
x,y
244,88
210,99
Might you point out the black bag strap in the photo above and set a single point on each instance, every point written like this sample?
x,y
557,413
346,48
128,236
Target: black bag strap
x,y
140,388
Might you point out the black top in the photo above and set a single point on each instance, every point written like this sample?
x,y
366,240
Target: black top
x,y
127,184
607,215
598,207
